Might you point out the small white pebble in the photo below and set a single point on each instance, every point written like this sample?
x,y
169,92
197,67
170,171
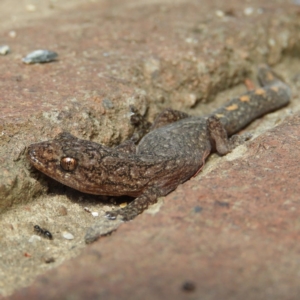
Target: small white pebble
x,y
40,56
4,49
67,235
248,11
219,13
191,98
30,7
34,238
12,34
189,40
95,214
271,42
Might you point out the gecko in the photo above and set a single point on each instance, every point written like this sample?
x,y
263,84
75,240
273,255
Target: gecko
x,y
173,151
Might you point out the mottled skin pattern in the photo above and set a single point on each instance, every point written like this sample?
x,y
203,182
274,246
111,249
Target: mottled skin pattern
x,y
173,151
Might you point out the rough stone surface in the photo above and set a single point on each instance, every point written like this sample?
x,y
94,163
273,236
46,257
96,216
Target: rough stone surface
x,y
230,233
114,54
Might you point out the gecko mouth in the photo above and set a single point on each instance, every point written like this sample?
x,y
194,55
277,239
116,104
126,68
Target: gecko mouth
x,y
34,157
31,155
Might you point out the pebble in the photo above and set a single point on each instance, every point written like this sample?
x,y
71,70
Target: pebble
x,y
34,238
30,7
4,49
220,13
67,235
248,11
40,56
12,34
122,205
95,214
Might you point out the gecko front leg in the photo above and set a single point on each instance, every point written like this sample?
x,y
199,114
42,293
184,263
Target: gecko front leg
x,y
166,117
136,207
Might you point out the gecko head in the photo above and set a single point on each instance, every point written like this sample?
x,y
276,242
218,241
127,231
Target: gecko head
x,y
71,161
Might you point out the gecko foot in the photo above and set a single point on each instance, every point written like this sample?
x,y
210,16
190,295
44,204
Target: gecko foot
x,y
239,139
128,213
136,207
125,214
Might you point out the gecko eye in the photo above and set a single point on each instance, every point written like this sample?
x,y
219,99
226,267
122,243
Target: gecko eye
x,y
68,163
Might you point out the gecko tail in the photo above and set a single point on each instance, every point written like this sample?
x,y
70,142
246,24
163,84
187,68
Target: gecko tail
x,y
267,76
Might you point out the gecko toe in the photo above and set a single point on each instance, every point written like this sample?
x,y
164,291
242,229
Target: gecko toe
x,y
111,215
125,214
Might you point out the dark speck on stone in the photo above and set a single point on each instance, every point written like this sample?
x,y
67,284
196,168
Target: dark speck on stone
x,y
107,103
198,209
49,260
222,204
188,286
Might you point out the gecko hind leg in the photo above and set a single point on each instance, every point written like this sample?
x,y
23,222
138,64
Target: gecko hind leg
x,y
219,137
136,207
